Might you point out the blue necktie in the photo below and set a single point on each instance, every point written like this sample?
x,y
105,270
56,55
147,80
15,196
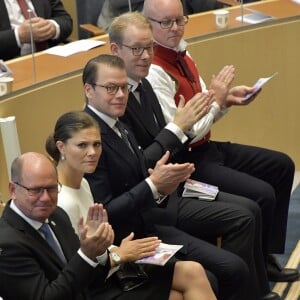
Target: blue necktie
x,y
45,230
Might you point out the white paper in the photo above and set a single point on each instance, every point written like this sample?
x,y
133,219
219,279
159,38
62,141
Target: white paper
x,y
162,254
259,84
74,47
254,18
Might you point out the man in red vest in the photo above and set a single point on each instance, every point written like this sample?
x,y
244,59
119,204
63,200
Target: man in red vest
x,y
262,175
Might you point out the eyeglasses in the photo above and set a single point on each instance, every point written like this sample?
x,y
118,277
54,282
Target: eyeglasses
x,y
165,24
38,191
138,51
112,89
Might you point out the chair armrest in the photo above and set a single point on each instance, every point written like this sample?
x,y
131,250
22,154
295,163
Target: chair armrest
x,y
92,29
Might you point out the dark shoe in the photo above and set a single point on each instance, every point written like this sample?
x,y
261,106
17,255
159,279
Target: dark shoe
x,y
271,296
278,274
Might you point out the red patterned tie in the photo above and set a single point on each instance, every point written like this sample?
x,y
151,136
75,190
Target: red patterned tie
x,y
24,10
184,66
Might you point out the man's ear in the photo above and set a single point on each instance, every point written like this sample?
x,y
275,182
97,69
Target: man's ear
x,y
11,189
114,49
88,88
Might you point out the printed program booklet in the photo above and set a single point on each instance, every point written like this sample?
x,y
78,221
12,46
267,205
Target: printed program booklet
x,y
259,84
201,190
162,254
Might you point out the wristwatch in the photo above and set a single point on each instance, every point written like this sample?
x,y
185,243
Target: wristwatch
x,y
115,258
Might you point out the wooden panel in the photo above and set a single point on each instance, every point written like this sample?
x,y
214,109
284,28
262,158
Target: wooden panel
x,y
36,112
272,120
70,6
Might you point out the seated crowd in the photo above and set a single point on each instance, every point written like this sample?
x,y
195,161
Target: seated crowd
x,y
111,189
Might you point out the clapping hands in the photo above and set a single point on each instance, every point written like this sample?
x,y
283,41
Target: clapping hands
x,y
96,234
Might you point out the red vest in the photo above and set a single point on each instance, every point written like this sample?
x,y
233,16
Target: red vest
x,y
184,71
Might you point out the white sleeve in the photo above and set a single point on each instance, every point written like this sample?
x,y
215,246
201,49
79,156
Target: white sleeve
x,y
164,87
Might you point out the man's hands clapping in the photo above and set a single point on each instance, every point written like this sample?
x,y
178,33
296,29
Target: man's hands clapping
x,y
167,176
188,113
220,84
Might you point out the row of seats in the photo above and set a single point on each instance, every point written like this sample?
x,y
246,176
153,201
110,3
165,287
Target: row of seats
x,y
89,11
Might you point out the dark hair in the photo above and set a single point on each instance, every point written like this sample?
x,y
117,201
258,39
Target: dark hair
x,y
65,127
89,74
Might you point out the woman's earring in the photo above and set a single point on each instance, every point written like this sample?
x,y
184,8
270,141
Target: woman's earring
x,y
62,157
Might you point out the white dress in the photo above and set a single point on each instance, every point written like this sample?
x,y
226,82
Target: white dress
x,y
76,202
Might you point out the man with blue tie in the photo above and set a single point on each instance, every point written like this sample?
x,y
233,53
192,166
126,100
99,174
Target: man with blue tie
x,y
30,269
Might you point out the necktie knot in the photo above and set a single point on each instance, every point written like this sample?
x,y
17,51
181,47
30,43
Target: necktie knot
x,y
143,97
182,53
140,88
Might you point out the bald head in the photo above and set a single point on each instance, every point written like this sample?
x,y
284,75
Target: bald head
x,y
34,185
167,20
28,163
151,7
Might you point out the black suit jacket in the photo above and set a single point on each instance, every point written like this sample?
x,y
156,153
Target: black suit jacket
x,y
47,9
30,269
118,182
154,143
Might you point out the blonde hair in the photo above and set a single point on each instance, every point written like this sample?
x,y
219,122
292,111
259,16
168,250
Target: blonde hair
x,y
120,23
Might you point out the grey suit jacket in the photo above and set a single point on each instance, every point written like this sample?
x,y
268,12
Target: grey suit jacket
x,y
47,9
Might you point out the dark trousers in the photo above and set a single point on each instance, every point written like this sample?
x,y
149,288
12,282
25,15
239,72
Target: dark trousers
x,y
262,175
238,221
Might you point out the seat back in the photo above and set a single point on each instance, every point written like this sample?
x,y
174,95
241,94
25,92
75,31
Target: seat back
x,y
87,13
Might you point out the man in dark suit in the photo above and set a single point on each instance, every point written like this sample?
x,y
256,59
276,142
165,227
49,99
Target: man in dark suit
x,y
51,24
133,196
155,137
29,268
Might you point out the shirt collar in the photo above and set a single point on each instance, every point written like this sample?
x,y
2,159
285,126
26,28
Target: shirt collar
x,y
134,84
107,119
180,47
35,224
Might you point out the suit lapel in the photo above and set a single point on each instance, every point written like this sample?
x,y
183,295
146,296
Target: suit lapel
x,y
32,235
135,108
154,104
115,144
38,7
4,22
